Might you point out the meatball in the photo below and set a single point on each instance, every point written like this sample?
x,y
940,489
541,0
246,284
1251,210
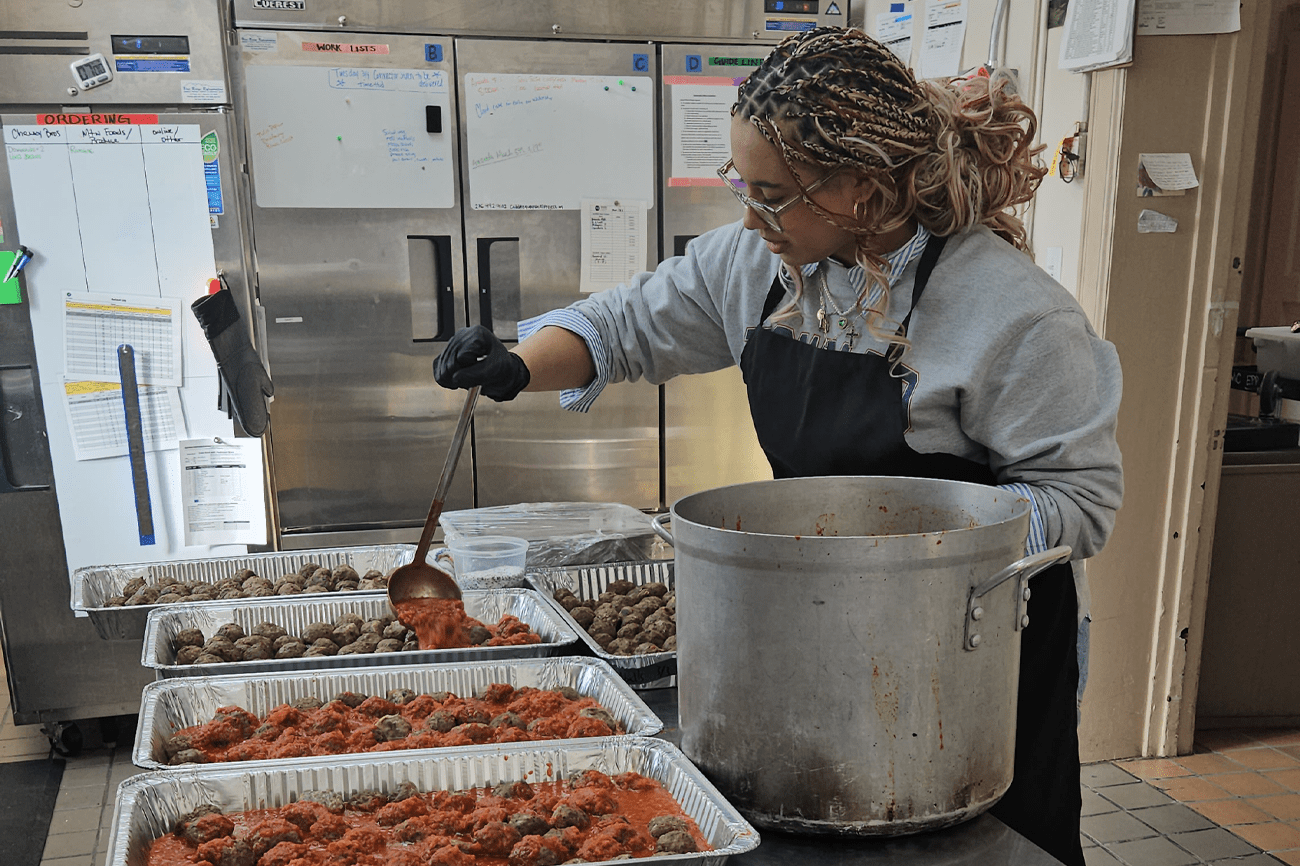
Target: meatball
x,y
583,616
392,727
568,816
529,824
291,650
533,851
345,573
145,595
317,630
270,832
665,824
496,838
188,655
203,825
227,852
307,702
441,721
676,842
367,801
520,790
346,633
231,631
478,635
188,637
594,801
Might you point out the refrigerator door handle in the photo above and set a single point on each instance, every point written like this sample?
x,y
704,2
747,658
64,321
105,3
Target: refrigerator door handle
x,y
22,435
433,315
498,271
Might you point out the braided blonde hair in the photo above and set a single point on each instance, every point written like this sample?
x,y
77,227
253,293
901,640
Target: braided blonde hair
x,y
951,155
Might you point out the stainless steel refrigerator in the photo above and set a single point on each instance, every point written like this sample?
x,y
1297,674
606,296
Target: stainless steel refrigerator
x,y
168,70
416,166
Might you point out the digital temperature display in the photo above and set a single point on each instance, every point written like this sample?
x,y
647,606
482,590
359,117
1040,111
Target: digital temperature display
x,y
791,7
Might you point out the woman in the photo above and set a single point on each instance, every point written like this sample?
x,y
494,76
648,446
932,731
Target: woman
x,y
887,320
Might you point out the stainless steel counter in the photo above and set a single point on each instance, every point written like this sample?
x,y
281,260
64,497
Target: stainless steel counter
x,y
984,841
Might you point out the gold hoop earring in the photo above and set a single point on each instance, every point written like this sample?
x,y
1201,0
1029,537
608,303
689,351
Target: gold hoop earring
x,y
859,210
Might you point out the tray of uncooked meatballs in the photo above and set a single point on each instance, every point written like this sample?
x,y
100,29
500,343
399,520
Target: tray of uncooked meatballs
x,y
625,613
586,801
250,637
299,716
118,598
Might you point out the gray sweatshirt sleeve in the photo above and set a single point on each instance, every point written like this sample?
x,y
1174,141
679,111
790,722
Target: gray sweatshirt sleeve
x,y
1048,419
686,316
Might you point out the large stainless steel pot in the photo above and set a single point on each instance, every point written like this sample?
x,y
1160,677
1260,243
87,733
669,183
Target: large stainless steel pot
x,y
847,654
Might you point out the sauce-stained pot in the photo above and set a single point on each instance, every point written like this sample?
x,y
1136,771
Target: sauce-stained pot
x,y
848,647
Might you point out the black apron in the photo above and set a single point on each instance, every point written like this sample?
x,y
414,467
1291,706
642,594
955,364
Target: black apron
x,y
829,412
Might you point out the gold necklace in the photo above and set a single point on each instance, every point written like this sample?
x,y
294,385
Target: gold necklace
x,y
843,318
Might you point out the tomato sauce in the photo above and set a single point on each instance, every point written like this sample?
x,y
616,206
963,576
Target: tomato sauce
x,y
441,623
501,714
591,816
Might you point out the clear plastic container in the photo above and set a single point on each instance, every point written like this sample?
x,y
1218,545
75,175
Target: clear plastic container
x,y
488,561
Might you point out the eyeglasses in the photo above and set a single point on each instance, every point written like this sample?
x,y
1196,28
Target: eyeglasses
x,y
766,212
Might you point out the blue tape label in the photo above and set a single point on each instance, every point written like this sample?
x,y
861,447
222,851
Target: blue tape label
x,y
152,64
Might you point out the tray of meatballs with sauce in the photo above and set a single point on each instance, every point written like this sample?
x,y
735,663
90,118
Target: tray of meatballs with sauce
x,y
291,718
259,636
525,804
625,613
118,598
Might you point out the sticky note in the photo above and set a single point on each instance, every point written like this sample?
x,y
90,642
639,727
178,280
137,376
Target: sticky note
x,y
9,293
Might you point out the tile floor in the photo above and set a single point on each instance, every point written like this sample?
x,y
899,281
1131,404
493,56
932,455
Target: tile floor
x,y
1234,802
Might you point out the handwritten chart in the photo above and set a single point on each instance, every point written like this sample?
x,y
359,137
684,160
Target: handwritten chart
x,y
350,137
546,142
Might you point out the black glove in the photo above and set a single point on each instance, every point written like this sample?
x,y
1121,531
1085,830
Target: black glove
x,y
474,356
242,373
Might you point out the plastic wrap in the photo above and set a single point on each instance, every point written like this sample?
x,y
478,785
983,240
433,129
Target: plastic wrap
x,y
94,585
487,606
148,805
565,533
643,671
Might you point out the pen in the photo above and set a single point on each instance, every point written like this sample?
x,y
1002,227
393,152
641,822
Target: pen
x,y
21,258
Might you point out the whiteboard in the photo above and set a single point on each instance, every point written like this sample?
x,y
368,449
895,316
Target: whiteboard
x,y
546,142
114,208
327,137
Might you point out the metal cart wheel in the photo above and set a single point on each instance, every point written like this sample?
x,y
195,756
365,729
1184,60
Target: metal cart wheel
x,y
65,738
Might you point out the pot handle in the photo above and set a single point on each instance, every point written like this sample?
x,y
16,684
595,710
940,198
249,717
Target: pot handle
x,y
1024,569
657,525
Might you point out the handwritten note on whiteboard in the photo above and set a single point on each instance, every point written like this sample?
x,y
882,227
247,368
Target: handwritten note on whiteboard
x,y
546,142
350,137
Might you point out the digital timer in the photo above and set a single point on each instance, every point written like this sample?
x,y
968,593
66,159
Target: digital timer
x,y
91,71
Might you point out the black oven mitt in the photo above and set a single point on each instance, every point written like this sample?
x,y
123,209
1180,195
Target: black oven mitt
x,y
474,356
242,374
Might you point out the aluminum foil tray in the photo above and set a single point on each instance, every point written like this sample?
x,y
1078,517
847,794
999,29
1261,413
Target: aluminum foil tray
x,y
169,705
148,805
647,671
93,586
295,614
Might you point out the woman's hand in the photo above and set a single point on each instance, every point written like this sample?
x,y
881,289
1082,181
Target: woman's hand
x,y
474,356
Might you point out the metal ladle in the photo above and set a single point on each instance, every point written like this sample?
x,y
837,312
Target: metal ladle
x,y
419,579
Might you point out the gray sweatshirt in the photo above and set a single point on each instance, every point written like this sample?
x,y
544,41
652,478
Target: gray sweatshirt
x,y
1008,370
